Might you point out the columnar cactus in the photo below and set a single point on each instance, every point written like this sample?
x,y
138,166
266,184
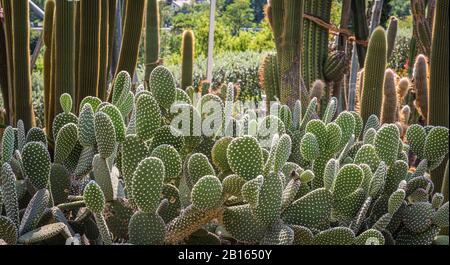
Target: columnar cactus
x,y
391,35
64,53
421,85
21,63
389,105
187,62
132,28
151,38
438,95
374,67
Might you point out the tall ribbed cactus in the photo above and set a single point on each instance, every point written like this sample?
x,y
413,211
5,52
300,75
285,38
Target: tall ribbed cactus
x,y
104,49
64,51
389,106
134,18
269,78
421,85
391,35
4,74
374,67
21,62
48,38
315,40
89,60
151,38
361,27
439,66
292,87
439,79
7,26
187,63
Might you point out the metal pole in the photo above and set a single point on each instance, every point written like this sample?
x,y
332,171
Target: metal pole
x,y
212,13
39,12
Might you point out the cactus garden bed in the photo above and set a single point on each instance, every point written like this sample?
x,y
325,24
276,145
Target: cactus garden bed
x,y
336,154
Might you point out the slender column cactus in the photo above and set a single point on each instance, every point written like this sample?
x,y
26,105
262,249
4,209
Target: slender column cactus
x,y
421,85
48,37
4,76
269,78
292,87
89,53
64,34
439,80
6,5
112,8
389,106
439,67
315,40
152,38
187,63
391,35
374,67
21,62
361,28
104,49
134,17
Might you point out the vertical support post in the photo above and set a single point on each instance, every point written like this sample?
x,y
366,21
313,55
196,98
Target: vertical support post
x,y
212,13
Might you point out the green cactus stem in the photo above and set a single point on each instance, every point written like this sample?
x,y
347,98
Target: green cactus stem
x,y
152,43
421,85
389,106
132,28
187,62
374,68
21,63
89,53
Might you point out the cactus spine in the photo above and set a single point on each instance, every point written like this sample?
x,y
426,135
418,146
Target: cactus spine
x,y
21,62
134,17
89,61
421,85
152,38
187,63
389,107
373,82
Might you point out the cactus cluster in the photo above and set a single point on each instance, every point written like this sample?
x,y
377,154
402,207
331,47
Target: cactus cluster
x,y
125,172
155,164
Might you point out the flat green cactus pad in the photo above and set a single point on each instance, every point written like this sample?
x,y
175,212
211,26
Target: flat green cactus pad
x,y
146,229
245,157
206,193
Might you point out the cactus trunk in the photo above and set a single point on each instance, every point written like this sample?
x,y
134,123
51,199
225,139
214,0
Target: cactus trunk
x,y
439,79
4,78
361,27
152,38
89,61
187,63
48,37
64,51
292,86
374,67
389,107
104,49
134,17
9,59
21,62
